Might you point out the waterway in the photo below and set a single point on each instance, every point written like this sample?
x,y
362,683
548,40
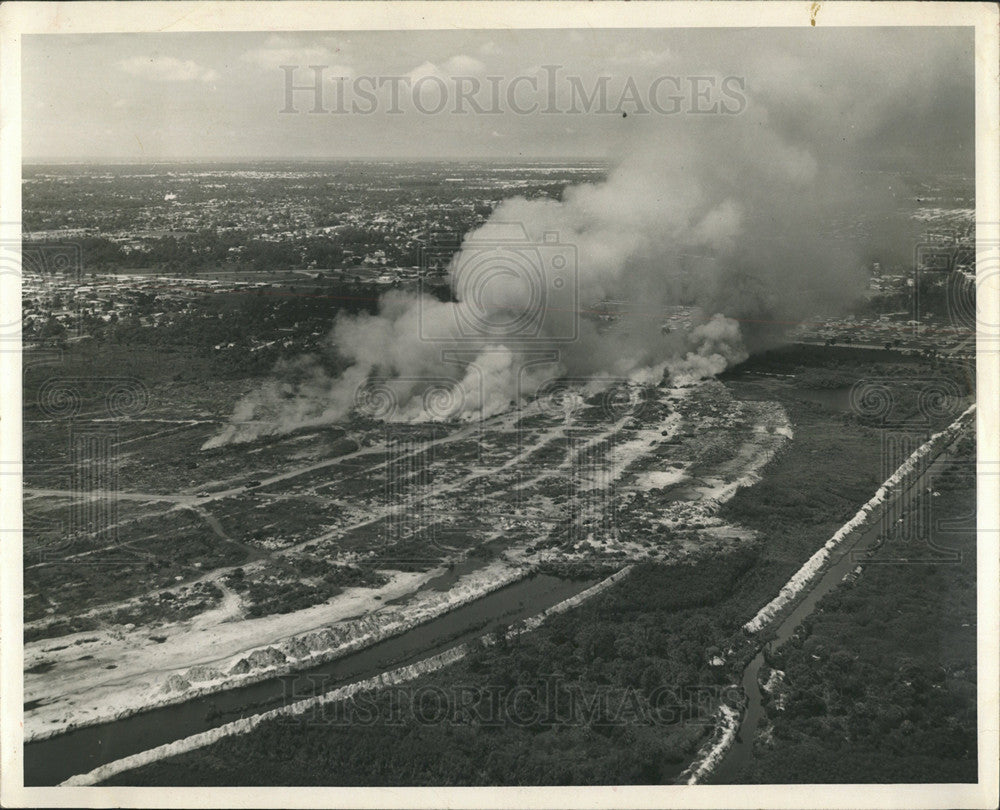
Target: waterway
x,y
50,761
850,554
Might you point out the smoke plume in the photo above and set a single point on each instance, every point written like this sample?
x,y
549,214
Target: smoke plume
x,y
726,216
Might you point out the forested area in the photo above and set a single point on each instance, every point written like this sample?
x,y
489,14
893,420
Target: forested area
x,y
879,684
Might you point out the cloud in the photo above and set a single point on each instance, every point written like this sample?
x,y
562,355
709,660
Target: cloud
x,y
282,50
644,58
168,69
738,217
420,71
463,64
459,65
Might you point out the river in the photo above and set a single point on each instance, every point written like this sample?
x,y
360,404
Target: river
x,y
847,556
50,761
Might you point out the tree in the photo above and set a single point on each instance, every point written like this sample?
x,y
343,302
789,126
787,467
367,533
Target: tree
x,y
52,328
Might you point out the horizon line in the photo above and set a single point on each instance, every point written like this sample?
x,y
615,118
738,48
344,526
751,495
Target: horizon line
x,y
295,159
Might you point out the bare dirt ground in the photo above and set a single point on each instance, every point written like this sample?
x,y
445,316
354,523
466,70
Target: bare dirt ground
x,y
577,481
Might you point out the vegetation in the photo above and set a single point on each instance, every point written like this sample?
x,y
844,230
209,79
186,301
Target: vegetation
x,y
294,582
664,628
879,684
625,647
662,631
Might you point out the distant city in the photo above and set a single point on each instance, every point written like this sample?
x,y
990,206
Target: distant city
x,y
153,244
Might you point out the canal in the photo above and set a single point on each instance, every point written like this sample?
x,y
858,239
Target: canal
x,y
50,761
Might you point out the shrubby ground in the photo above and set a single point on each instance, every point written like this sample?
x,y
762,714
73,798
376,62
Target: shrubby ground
x,y
666,627
879,685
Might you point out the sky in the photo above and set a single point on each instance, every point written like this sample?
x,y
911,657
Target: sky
x,y
891,98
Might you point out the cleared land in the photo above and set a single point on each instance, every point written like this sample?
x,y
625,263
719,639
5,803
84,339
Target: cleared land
x,y
210,566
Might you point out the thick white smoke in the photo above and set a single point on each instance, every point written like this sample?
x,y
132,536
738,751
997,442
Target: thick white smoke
x,y
725,216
